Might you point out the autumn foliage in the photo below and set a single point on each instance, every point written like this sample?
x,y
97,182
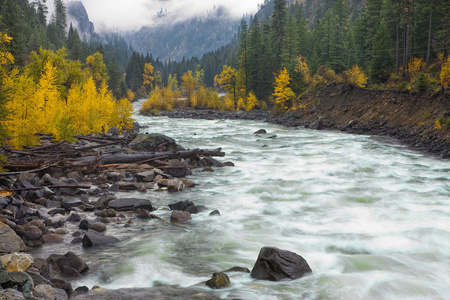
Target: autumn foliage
x,y
57,96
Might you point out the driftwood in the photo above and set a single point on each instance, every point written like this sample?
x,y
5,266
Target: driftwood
x,y
140,157
62,186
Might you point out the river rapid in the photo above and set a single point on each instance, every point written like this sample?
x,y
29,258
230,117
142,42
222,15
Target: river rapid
x,y
370,216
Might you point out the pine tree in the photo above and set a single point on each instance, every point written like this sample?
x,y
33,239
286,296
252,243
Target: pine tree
x,y
114,78
290,43
303,46
12,24
255,57
277,32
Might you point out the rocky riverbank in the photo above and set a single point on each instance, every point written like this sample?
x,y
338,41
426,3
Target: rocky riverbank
x,y
409,118
63,196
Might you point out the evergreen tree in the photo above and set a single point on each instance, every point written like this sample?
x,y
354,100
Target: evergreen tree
x,y
278,32
381,63
303,46
114,78
12,25
290,43
255,58
243,59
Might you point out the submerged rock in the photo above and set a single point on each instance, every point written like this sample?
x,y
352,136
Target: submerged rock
x,y
218,281
276,264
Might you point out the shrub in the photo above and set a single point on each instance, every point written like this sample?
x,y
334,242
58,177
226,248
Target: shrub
x,y
404,87
422,82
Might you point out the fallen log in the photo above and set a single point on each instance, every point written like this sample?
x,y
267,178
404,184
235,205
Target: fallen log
x,y
139,157
62,186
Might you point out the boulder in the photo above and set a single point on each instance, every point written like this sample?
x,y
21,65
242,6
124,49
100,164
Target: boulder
x,y
146,176
11,294
153,143
17,262
260,131
180,216
275,264
23,281
68,265
85,224
130,204
98,226
93,238
186,205
4,277
52,238
172,184
215,213
218,281
10,241
128,186
106,213
143,214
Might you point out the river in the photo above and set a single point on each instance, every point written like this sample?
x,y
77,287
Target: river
x,y
370,216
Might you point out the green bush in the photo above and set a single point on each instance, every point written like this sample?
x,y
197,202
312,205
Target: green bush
x,y
422,82
404,87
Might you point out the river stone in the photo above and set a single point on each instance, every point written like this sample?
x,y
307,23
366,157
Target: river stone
x,y
52,238
98,226
23,281
73,261
17,262
146,176
10,241
180,216
153,143
172,184
11,294
260,131
106,213
218,281
93,238
4,277
130,204
275,264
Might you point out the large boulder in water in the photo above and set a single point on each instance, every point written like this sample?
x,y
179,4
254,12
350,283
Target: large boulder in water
x,y
276,264
154,143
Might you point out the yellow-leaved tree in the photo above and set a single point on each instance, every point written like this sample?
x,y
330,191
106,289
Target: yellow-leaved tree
x,y
21,123
124,112
228,81
252,102
282,92
445,74
188,85
148,78
47,100
356,77
97,69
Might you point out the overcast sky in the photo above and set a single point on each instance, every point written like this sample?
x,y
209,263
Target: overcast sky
x,y
132,14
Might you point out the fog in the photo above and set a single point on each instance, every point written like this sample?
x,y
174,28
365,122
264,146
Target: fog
x,y
132,14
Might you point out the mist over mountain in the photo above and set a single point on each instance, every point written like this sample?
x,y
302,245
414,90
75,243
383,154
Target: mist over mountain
x,y
193,37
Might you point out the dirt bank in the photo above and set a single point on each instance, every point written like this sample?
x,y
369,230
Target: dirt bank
x,y
410,118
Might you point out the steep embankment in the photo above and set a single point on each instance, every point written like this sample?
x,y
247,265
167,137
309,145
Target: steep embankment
x,y
410,118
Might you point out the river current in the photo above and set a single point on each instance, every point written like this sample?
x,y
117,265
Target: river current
x,y
369,215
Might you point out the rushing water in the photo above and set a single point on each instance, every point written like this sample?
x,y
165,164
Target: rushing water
x,y
371,217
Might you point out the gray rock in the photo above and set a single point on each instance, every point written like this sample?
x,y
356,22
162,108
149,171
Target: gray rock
x,y
153,143
10,241
275,264
260,131
23,281
146,176
98,226
130,204
11,294
93,238
114,131
4,277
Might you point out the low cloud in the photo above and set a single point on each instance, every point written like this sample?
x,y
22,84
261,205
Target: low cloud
x,y
132,14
